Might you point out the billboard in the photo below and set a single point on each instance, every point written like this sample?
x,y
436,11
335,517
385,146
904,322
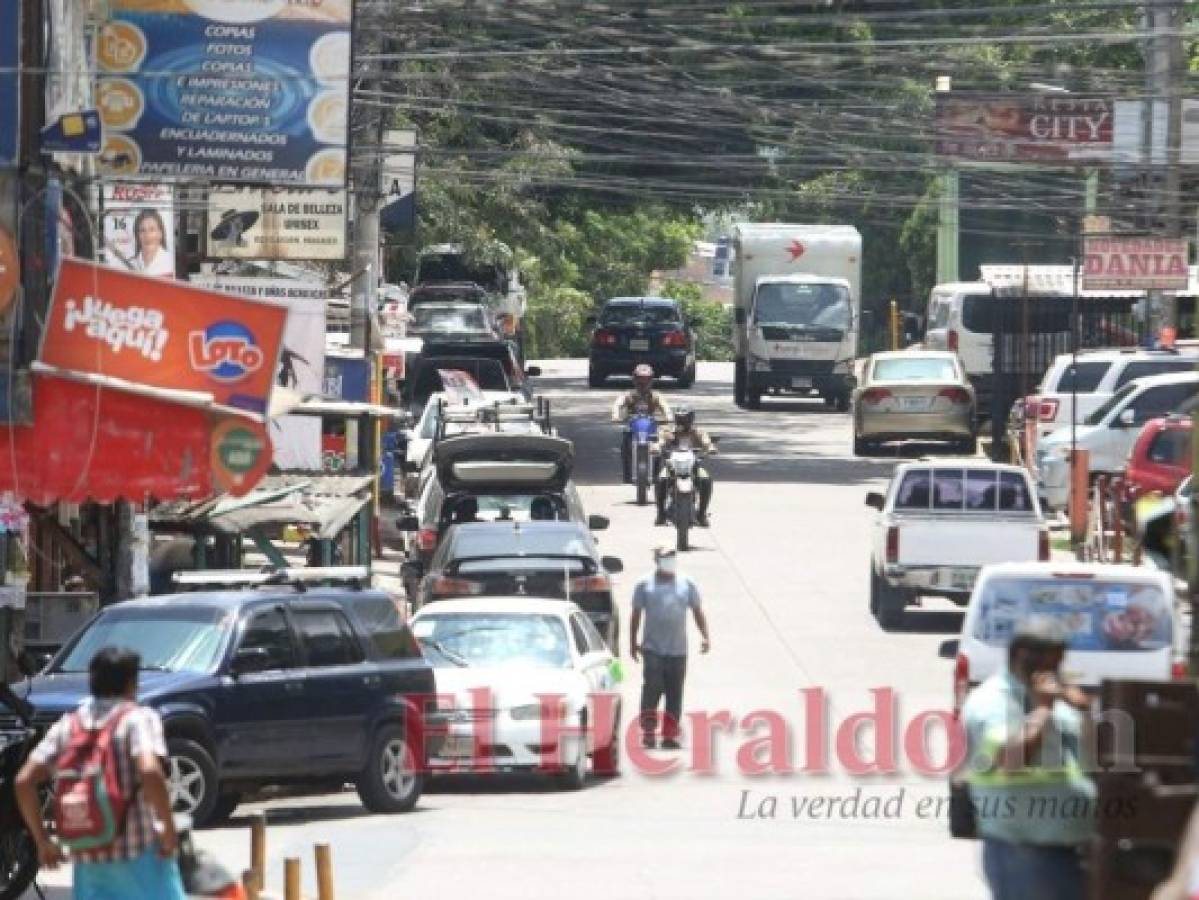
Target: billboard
x,y
251,223
1047,128
1135,263
240,90
139,228
10,84
163,334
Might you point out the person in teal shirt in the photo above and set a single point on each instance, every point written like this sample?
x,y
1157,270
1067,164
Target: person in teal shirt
x,y
1034,804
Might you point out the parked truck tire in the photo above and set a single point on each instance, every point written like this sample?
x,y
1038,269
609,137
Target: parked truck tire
x,y
739,382
886,602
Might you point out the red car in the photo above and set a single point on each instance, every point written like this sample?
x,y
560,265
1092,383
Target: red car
x,y
1160,459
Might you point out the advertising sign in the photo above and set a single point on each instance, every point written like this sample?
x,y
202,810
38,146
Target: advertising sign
x,y
398,180
1135,263
240,455
249,223
347,378
1052,128
239,90
163,334
297,439
10,86
277,289
139,228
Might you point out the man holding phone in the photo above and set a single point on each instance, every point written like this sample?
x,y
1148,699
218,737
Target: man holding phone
x,y
1033,802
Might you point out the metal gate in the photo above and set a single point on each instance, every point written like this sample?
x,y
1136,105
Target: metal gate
x,y
1028,332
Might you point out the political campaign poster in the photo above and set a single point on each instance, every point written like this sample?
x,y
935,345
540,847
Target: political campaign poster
x,y
139,228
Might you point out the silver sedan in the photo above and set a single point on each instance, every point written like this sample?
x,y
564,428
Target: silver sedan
x,y
913,394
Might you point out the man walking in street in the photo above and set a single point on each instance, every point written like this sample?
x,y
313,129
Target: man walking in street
x,y
663,599
1033,802
137,861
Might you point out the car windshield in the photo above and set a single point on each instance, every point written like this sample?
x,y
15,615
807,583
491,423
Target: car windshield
x,y
1111,403
1098,614
638,313
497,639
187,639
916,368
787,303
460,317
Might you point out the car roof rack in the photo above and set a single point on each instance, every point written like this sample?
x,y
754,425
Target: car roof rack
x,y
357,577
494,413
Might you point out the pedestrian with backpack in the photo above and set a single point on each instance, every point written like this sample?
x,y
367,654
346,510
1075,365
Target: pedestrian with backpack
x,y
111,807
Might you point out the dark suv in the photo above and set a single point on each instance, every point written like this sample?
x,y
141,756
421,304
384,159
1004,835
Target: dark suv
x,y
266,687
635,330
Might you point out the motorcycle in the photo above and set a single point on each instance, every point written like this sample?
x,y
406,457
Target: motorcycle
x,y
680,497
18,852
642,431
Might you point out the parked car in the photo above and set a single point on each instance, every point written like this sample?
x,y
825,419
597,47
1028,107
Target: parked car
x,y
913,394
266,687
528,559
1160,459
457,320
426,379
487,477
518,649
1108,433
1097,375
634,330
1122,621
940,522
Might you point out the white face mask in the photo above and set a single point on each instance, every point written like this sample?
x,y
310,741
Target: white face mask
x,y
668,565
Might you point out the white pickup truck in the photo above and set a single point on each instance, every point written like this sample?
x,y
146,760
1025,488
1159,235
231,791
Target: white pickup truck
x,y
940,523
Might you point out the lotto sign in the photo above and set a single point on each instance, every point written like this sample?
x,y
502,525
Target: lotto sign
x,y
164,334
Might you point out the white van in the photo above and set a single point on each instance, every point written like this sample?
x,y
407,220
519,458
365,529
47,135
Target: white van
x,y
957,322
1110,432
1122,621
1097,375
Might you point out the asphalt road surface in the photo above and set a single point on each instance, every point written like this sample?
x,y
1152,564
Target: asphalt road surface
x,y
783,571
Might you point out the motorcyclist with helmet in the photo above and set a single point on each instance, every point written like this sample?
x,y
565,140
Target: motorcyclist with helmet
x,y
685,435
642,397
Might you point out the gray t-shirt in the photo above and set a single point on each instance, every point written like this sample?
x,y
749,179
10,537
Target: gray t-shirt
x,y
665,602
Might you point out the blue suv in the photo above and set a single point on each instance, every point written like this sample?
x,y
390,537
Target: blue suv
x,y
266,687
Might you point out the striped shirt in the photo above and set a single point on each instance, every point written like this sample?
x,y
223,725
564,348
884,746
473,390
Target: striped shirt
x,y
139,732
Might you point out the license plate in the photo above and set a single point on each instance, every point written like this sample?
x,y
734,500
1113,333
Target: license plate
x,y
801,382
458,747
962,579
638,343
913,404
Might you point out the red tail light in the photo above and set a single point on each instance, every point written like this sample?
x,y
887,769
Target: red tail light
x,y
1047,410
446,586
893,544
674,339
1179,670
1043,546
875,396
590,584
604,338
426,539
951,339
961,682
955,394
230,892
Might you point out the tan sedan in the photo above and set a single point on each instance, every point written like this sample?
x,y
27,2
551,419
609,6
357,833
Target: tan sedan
x,y
913,394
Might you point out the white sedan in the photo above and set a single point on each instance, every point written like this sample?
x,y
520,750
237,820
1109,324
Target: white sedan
x,y
498,658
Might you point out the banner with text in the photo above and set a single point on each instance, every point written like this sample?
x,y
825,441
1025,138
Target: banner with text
x,y
240,90
1135,263
1062,129
250,223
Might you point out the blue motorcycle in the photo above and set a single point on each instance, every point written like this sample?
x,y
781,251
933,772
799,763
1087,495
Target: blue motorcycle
x,y
642,431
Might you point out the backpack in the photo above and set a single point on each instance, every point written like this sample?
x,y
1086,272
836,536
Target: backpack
x,y
89,802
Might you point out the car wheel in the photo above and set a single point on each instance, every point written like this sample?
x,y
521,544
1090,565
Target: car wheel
x,y
842,403
191,780
595,378
739,383
753,399
892,602
226,805
687,377
875,590
391,781
861,446
574,776
968,446
606,760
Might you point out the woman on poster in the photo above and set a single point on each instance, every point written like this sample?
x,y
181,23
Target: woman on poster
x,y
151,254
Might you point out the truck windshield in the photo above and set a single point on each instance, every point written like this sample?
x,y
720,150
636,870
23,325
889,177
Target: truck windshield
x,y
790,303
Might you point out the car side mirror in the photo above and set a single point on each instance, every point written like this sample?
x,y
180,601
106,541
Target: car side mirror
x,y
739,315
1128,418
408,523
533,371
250,659
875,500
613,565
598,523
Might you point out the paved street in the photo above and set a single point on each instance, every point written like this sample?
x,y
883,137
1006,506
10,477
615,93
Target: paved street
x,y
784,575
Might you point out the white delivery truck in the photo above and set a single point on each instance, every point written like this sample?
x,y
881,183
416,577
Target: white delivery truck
x,y
797,290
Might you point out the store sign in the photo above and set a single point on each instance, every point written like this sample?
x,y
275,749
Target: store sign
x,y
249,223
10,84
1135,263
241,455
236,90
1055,128
163,334
276,289
398,181
139,228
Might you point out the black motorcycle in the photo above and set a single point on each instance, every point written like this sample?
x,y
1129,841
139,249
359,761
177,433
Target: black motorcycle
x,y
18,852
